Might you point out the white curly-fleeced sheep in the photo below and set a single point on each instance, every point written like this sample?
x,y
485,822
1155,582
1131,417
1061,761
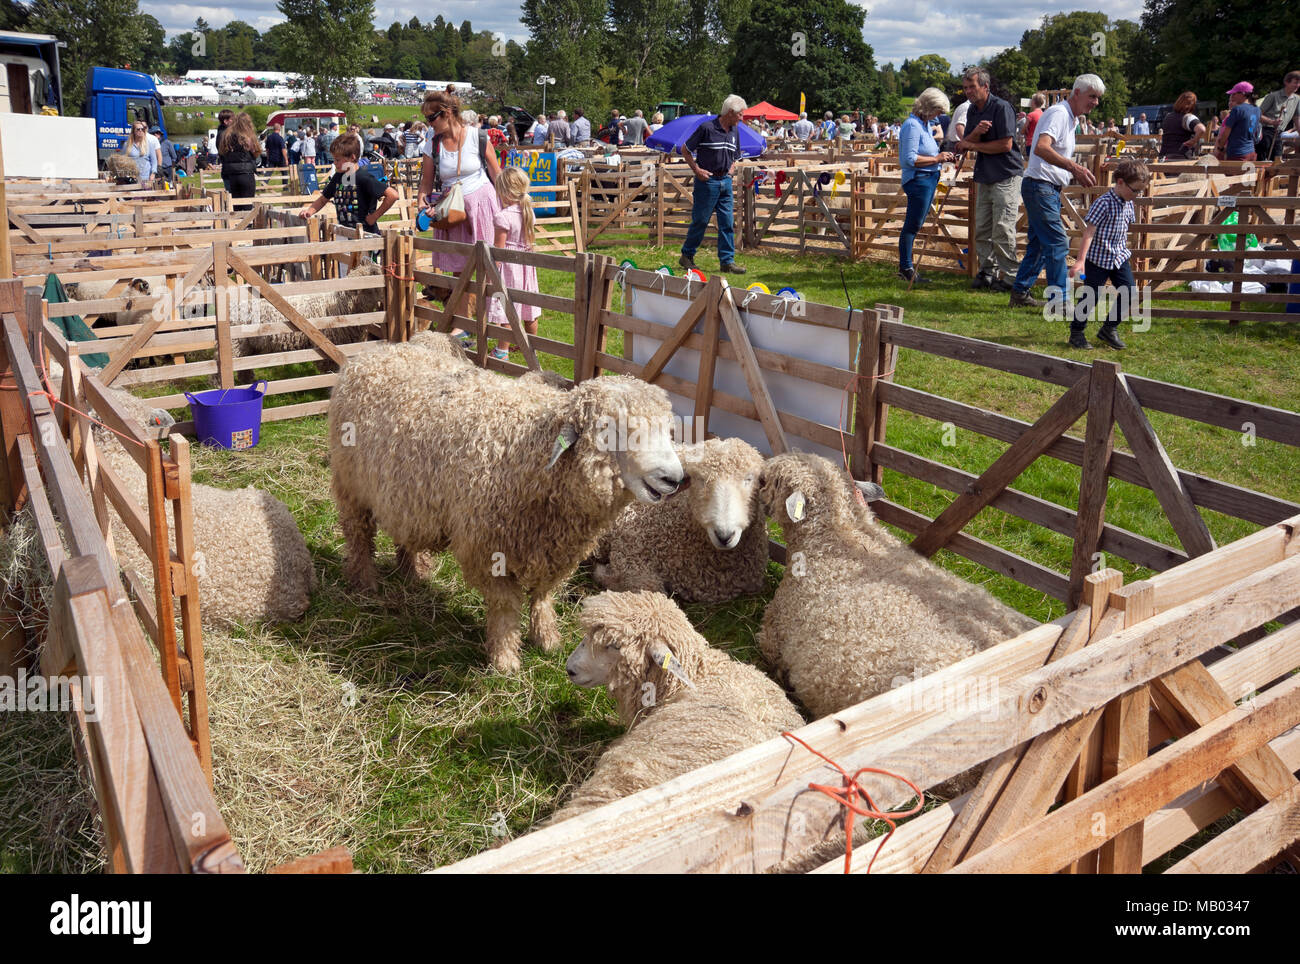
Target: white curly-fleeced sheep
x,y
252,562
705,544
517,478
640,645
858,612
323,307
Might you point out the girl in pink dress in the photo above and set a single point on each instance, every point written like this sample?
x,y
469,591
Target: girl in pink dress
x,y
514,232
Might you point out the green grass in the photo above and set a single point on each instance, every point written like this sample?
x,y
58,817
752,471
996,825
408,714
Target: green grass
x,y
455,745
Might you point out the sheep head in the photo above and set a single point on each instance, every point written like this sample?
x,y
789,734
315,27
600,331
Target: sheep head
x,y
723,493
798,488
620,427
359,300
632,639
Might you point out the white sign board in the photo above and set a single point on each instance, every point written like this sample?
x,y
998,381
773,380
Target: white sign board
x,y
36,145
791,395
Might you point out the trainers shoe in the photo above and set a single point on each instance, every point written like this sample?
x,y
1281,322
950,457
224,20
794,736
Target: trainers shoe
x,y
467,341
1001,286
1109,336
731,268
1077,340
500,354
911,277
981,280
686,262
1023,299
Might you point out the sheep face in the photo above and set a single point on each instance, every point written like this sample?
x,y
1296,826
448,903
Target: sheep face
x,y
798,486
629,423
631,638
723,488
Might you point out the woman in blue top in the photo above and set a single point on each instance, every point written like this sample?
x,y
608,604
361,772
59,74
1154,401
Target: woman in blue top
x,y
142,149
920,158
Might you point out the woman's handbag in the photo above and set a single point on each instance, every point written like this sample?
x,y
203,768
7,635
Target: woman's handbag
x,y
450,209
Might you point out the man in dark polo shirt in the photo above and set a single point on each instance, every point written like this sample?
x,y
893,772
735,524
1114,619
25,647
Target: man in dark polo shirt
x,y
712,151
990,131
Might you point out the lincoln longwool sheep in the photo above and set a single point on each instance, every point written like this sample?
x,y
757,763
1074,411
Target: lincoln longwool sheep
x,y
256,310
644,649
517,478
706,544
858,611
251,560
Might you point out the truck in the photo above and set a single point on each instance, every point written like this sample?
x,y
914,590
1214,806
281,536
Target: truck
x,y
31,83
117,98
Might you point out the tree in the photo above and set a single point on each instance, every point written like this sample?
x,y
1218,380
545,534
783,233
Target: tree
x,y
408,68
13,15
153,56
1011,76
270,51
1209,46
565,42
99,33
237,51
928,70
815,48
700,76
643,42
330,43
1069,44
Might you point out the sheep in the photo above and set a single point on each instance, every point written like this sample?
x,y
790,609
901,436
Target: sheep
x,y
255,310
686,703
516,477
708,544
858,611
252,562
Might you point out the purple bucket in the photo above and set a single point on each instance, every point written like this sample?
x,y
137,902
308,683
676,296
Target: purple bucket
x,y
228,418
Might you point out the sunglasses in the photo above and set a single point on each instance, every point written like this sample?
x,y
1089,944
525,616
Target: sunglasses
x,y
434,117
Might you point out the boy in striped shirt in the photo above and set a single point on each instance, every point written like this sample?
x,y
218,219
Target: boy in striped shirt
x,y
1104,256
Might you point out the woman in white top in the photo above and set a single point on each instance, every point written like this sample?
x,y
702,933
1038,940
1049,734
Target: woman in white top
x,y
463,156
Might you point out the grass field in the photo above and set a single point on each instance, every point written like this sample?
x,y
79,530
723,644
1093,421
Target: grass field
x,y
435,758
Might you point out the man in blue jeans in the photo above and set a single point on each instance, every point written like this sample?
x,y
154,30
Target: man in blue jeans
x,y
712,151
1051,166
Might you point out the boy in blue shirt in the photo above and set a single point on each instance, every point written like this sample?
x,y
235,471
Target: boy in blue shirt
x,y
1104,256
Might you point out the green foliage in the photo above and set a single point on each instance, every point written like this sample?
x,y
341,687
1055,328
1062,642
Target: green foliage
x,y
1208,46
1069,44
928,70
98,33
330,44
815,48
567,44
1011,76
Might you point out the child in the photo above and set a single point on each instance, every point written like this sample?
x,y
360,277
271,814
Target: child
x,y
514,232
1104,255
358,196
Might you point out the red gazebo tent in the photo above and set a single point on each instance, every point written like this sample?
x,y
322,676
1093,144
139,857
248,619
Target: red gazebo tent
x,y
768,112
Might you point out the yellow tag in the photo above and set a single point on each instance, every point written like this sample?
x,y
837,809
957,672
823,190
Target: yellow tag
x,y
794,506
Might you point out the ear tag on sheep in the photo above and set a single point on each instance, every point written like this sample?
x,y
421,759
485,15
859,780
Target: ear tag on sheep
x,y
795,505
671,665
563,442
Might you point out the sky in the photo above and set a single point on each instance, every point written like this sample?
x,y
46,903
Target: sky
x,y
962,33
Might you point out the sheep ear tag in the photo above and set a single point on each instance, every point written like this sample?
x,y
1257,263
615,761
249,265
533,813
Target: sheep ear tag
x,y
670,664
563,442
795,506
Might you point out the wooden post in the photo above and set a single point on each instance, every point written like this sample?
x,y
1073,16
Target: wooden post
x,y
599,300
1098,445
581,295
221,280
6,252
972,255
660,174
867,326
389,258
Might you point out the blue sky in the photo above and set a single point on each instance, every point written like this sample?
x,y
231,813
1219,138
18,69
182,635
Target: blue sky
x,y
896,29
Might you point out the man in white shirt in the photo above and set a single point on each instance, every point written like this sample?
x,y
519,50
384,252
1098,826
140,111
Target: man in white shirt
x,y
1141,127
1051,167
803,127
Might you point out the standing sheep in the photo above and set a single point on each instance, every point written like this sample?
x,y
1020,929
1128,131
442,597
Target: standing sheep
x,y
252,561
643,648
516,477
858,611
708,544
255,310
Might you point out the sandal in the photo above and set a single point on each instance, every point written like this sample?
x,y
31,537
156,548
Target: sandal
x,y
500,354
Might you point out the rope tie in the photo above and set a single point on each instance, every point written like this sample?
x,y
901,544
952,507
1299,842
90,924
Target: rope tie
x,y
847,795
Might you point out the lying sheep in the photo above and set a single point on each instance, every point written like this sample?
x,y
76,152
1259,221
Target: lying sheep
x,y
687,703
708,544
858,611
252,562
517,478
255,310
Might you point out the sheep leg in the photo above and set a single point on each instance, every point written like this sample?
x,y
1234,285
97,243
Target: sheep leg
x,y
358,526
413,564
543,627
504,601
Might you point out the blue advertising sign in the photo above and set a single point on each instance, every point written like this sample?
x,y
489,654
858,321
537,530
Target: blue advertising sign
x,y
542,170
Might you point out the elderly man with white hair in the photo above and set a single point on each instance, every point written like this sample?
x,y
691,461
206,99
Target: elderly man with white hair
x,y
712,150
1051,167
803,127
